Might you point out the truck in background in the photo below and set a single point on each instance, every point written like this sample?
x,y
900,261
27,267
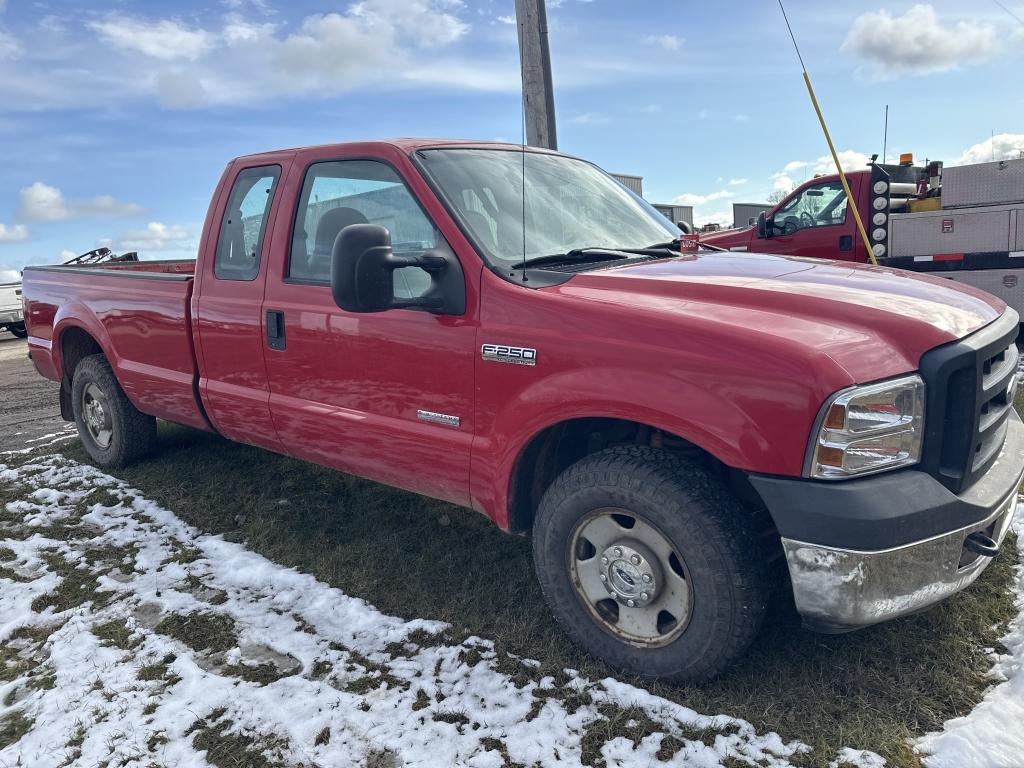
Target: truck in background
x,y
11,314
964,223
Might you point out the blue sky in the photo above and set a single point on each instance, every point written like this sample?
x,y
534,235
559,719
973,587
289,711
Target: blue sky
x,y
117,118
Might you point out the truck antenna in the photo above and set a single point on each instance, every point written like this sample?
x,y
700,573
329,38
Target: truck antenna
x,y
851,205
885,135
1014,15
522,112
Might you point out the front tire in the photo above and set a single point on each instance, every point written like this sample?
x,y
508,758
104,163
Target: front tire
x,y
18,330
113,431
649,562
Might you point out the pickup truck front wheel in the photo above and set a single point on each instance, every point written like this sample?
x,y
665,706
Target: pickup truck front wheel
x,y
648,561
113,431
18,330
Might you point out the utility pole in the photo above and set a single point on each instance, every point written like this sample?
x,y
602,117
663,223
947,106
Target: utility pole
x,y
535,58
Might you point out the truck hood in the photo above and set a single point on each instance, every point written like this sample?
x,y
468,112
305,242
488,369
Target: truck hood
x,y
872,321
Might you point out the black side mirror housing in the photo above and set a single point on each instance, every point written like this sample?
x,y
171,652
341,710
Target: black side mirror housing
x,y
363,267
762,225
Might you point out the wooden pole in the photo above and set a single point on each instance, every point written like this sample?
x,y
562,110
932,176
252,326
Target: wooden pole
x,y
535,59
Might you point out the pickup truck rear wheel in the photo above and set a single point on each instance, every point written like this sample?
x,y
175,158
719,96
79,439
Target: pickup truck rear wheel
x,y
18,330
648,561
114,432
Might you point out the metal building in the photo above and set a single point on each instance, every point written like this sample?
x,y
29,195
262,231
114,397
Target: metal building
x,y
745,214
633,183
675,213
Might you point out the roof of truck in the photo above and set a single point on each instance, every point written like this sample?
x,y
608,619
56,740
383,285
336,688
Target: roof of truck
x,y
409,145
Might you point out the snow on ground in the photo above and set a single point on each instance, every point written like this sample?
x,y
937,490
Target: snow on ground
x,y
992,735
128,638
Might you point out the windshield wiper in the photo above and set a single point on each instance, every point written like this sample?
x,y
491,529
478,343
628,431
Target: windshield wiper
x,y
576,254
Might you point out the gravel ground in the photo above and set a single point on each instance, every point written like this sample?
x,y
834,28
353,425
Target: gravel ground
x,y
28,408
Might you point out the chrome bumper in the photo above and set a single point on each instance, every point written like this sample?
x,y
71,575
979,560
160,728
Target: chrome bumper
x,y
10,316
839,590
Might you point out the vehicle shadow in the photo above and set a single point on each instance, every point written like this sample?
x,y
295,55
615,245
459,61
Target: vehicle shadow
x,y
415,557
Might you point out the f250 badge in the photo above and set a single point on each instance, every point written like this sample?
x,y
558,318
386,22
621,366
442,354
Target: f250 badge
x,y
499,353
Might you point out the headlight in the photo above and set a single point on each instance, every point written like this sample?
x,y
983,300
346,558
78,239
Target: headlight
x,y
869,428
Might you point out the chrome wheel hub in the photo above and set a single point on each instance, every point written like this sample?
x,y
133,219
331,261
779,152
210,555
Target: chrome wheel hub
x,y
95,416
630,577
630,572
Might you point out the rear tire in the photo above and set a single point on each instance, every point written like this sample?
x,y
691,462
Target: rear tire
x,y
113,431
649,562
18,330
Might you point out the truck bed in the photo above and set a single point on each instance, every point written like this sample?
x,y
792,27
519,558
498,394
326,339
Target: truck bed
x,y
140,316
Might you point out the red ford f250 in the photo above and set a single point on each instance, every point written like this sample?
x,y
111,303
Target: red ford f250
x,y
674,429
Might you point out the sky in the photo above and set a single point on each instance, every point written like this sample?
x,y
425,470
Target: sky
x,y
117,117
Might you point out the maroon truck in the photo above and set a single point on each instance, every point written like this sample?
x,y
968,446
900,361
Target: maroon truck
x,y
679,433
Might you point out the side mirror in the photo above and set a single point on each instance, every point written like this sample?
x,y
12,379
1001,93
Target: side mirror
x,y
363,267
762,225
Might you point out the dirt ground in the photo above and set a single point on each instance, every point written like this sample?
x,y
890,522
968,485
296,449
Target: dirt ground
x,y
28,408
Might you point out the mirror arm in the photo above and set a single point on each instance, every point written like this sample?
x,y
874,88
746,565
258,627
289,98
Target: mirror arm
x,y
428,262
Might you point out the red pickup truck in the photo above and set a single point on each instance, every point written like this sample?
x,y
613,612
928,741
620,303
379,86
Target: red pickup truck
x,y
515,332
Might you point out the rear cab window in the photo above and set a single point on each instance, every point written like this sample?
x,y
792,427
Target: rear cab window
x,y
240,242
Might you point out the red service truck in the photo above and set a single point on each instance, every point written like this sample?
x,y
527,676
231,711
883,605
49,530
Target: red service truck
x,y
680,433
963,223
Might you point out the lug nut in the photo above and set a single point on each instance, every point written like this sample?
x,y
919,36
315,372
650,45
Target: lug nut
x,y
644,596
631,603
604,561
618,551
635,559
647,578
603,577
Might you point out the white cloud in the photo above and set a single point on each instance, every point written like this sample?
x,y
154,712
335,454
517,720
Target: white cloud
x,y
722,218
507,20
156,237
10,276
690,198
166,40
9,47
782,183
737,182
741,118
589,118
918,42
850,159
13,233
41,202
667,42
1002,146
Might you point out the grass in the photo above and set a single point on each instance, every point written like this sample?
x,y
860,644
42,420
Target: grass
x,y
12,727
414,557
200,631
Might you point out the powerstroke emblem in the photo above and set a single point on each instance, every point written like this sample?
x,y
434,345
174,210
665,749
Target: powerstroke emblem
x,y
499,353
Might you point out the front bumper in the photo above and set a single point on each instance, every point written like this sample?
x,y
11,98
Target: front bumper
x,y
865,551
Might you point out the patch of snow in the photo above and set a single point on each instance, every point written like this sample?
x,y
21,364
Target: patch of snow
x,y
992,734
332,663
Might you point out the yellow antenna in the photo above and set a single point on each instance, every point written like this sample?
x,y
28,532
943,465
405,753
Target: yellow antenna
x,y
850,203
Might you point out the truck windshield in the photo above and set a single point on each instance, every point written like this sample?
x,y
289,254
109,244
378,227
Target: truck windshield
x,y
568,204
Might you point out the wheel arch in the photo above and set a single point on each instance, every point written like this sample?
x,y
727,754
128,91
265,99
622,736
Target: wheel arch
x,y
72,342
553,448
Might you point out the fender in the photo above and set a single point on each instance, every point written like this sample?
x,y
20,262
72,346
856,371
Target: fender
x,y
712,420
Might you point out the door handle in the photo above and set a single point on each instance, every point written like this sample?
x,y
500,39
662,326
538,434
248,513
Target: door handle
x,y
275,329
